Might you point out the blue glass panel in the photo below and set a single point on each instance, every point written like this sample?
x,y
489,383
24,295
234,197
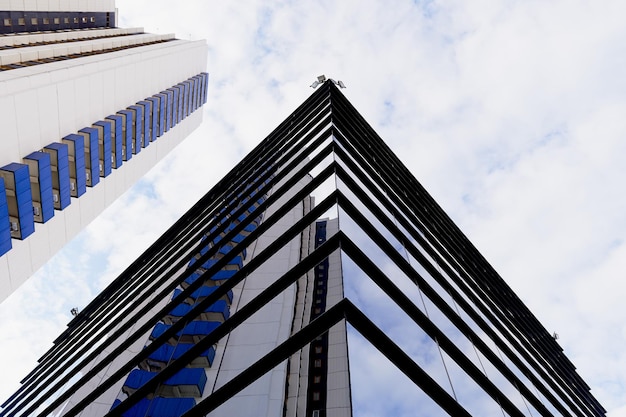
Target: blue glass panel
x,y
181,101
137,410
5,225
76,159
236,261
105,149
168,111
202,293
195,328
174,92
238,238
191,279
138,127
205,87
127,134
147,122
185,92
20,203
158,330
117,137
223,274
192,94
200,328
137,378
170,407
182,348
196,92
250,228
41,185
167,352
155,117
92,170
220,307
162,113
59,163
188,95
192,379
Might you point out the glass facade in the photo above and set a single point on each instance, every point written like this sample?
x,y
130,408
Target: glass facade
x,y
318,247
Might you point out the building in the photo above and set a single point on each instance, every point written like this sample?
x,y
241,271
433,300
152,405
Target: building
x,y
86,109
245,305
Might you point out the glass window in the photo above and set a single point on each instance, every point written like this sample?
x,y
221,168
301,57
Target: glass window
x,y
21,21
57,20
33,20
317,363
46,21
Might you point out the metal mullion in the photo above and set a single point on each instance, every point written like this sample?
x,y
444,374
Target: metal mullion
x,y
509,293
102,330
483,325
145,352
254,263
376,237
576,399
550,358
123,289
272,359
443,252
402,361
39,375
272,157
275,160
175,269
140,275
460,248
455,232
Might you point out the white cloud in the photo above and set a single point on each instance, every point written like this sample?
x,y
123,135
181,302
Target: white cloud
x,y
510,113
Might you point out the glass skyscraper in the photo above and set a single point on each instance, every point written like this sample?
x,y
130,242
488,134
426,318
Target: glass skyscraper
x,y
252,303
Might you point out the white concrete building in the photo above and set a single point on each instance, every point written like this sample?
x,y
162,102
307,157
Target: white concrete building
x,y
65,67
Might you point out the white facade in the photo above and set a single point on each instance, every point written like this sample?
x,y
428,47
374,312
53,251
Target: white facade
x,y
43,103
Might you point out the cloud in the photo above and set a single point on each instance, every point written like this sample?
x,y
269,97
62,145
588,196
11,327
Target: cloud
x,y
509,113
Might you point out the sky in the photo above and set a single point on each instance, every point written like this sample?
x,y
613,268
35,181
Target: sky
x,y
510,113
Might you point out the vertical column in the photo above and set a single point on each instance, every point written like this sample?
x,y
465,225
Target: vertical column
x,y
105,151
60,171
41,185
128,147
92,169
19,200
76,161
118,149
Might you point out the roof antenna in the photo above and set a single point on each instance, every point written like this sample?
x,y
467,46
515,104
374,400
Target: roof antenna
x,y
322,78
